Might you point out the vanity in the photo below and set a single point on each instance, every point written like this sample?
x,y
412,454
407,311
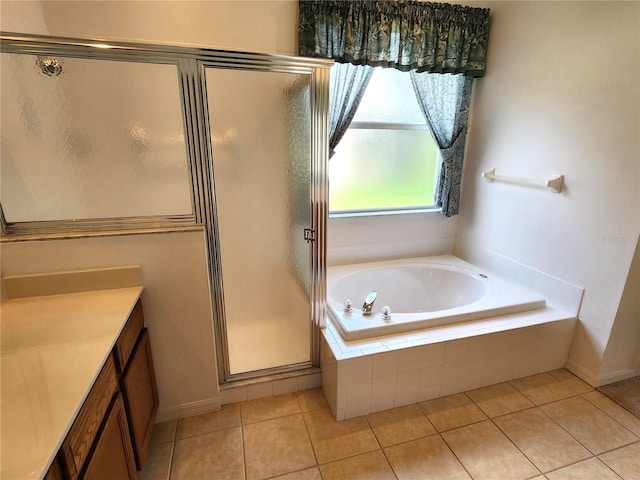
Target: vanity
x,y
79,395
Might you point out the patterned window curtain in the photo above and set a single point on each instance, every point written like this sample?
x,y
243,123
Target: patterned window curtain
x,y
445,101
404,34
348,83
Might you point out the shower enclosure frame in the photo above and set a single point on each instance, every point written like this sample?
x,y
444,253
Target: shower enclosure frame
x,y
191,63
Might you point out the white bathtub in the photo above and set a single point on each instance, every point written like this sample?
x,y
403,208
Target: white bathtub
x,y
421,292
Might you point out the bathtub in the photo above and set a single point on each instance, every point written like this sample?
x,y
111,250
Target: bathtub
x,y
420,292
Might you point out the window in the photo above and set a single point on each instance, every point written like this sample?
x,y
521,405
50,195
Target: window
x,y
387,160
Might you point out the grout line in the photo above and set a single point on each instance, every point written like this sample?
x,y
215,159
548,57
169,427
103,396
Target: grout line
x,y
616,404
175,431
313,448
380,448
173,448
580,461
244,454
617,448
455,456
540,472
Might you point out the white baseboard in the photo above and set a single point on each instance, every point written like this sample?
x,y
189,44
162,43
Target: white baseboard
x,y
616,376
581,372
600,380
174,412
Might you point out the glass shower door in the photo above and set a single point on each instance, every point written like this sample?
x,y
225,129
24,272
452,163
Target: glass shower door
x,y
260,133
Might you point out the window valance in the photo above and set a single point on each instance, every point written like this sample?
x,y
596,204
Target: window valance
x,y
404,34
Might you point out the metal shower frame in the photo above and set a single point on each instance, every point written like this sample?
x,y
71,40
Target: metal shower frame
x,y
191,62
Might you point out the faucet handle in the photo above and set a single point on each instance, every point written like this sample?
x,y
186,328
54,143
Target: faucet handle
x,y
348,307
386,312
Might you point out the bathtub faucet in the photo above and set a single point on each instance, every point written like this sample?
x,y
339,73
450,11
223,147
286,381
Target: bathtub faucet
x,y
368,303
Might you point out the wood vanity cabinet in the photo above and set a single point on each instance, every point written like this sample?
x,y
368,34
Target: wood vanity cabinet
x,y
110,437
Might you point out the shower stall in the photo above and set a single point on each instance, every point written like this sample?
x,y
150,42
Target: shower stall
x,y
155,138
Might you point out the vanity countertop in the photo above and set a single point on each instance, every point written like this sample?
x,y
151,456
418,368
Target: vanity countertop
x,y
52,349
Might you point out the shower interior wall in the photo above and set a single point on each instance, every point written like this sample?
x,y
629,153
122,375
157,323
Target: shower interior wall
x,y
526,121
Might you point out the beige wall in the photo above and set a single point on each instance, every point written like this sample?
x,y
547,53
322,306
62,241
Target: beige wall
x,y
560,96
175,300
257,26
623,349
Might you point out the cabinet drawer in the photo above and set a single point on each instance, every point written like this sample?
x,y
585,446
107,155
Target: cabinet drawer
x,y
129,337
77,444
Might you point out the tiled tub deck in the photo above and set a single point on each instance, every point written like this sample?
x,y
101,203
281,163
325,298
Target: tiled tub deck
x,y
366,376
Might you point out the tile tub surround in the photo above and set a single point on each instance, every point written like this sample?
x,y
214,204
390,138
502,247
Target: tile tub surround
x,y
493,432
367,376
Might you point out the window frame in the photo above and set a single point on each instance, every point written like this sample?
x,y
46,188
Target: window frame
x,y
366,212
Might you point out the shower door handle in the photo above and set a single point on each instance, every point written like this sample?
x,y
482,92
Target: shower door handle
x,y
309,235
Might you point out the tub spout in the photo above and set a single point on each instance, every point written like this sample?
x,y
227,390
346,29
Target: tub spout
x,y
368,303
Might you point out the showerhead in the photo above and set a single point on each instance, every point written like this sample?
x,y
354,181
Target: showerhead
x,y
50,66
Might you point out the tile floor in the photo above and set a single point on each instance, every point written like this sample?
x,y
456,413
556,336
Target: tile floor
x,y
551,426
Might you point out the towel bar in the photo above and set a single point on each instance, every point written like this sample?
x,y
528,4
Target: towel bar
x,y
555,183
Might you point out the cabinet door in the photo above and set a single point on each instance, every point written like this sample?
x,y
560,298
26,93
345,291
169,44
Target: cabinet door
x,y
55,471
140,396
112,457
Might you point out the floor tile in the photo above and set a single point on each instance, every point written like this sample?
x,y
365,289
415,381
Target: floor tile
x,y
424,459
615,411
164,432
542,388
571,381
367,466
400,425
585,470
158,462
547,445
333,440
212,455
313,399
295,437
266,408
308,474
227,417
277,446
587,424
487,453
624,461
499,399
451,412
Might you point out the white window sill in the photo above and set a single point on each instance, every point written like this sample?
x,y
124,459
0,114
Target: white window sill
x,y
376,213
